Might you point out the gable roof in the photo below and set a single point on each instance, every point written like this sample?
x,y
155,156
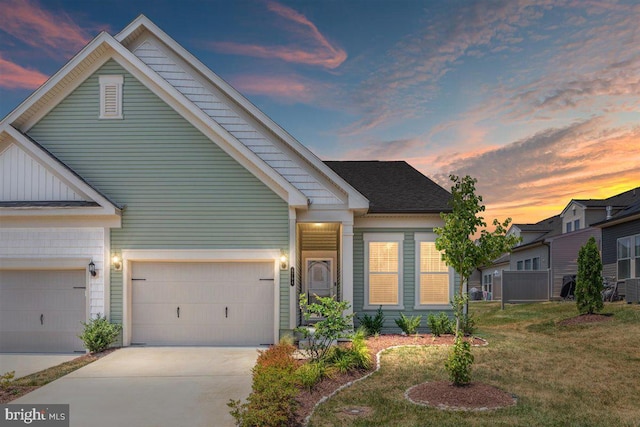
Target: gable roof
x,y
273,162
550,227
618,201
80,192
393,186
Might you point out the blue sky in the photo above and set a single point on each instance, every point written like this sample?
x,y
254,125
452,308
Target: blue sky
x,y
539,100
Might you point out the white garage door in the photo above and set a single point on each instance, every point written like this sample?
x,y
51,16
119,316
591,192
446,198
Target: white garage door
x,y
41,310
226,303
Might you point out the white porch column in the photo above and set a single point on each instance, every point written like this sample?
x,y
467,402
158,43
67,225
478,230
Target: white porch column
x,y
293,262
347,264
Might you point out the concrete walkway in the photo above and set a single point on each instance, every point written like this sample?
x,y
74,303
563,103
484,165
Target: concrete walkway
x,y
154,387
30,363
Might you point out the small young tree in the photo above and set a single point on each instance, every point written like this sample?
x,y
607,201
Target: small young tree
x,y
589,279
464,254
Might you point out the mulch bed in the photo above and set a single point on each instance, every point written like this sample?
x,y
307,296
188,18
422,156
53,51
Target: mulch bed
x,y
308,399
586,318
471,397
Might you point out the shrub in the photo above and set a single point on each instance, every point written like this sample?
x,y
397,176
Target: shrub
x,y
440,324
272,399
409,325
467,324
5,379
589,279
310,374
459,362
333,326
373,325
355,356
99,334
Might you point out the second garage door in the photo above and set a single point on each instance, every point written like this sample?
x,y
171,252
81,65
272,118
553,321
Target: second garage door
x,y
221,303
42,310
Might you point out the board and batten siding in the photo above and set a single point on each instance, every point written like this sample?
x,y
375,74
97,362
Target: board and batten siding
x,y
179,189
408,279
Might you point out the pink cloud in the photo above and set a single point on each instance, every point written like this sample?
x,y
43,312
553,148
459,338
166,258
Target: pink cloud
x,y
30,23
14,76
287,88
318,52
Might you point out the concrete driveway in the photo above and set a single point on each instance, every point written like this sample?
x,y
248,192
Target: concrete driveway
x,y
154,387
30,363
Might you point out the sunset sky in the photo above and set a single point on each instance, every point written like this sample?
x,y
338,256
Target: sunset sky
x,y
539,100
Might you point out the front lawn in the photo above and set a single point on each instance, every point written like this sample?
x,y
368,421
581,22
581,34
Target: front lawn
x,y
578,375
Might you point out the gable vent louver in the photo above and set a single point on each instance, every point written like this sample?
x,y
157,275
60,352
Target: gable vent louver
x,y
111,97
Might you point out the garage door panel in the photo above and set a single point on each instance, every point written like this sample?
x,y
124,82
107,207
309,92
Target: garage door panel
x,y
42,310
220,303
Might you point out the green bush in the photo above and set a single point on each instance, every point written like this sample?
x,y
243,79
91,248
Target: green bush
x,y
373,325
353,357
334,325
6,378
589,279
440,324
459,362
467,324
99,334
409,325
275,386
310,374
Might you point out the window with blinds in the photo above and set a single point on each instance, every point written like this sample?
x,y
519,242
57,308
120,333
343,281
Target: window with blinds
x,y
433,275
111,97
384,262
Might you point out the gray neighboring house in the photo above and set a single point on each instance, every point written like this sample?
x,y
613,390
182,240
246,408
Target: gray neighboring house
x,y
621,246
552,244
140,185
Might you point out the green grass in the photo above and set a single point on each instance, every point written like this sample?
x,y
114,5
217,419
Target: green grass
x,y
583,375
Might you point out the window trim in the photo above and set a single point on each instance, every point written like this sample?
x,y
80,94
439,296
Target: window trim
x,y
429,237
106,81
384,237
632,258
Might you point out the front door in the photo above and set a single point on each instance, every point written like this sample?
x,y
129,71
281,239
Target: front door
x,y
319,272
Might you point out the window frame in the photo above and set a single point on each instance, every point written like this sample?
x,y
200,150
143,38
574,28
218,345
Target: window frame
x,y
487,285
576,224
384,238
520,265
568,227
107,81
429,238
633,256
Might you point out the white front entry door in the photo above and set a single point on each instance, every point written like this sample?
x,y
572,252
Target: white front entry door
x,y
319,275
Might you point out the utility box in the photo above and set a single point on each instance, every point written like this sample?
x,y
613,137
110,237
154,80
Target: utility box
x,y
632,290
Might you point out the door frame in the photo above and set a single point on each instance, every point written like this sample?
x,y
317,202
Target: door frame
x,y
195,255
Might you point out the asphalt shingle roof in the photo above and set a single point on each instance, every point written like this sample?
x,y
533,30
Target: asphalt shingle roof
x,y
619,200
393,186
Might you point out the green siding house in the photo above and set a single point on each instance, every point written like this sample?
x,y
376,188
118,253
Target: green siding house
x,y
139,185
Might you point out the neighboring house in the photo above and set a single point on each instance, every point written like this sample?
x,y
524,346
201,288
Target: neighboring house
x,y
491,278
138,184
552,245
621,244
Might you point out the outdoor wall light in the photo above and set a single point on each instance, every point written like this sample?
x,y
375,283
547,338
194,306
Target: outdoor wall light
x,y
283,262
92,269
117,262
